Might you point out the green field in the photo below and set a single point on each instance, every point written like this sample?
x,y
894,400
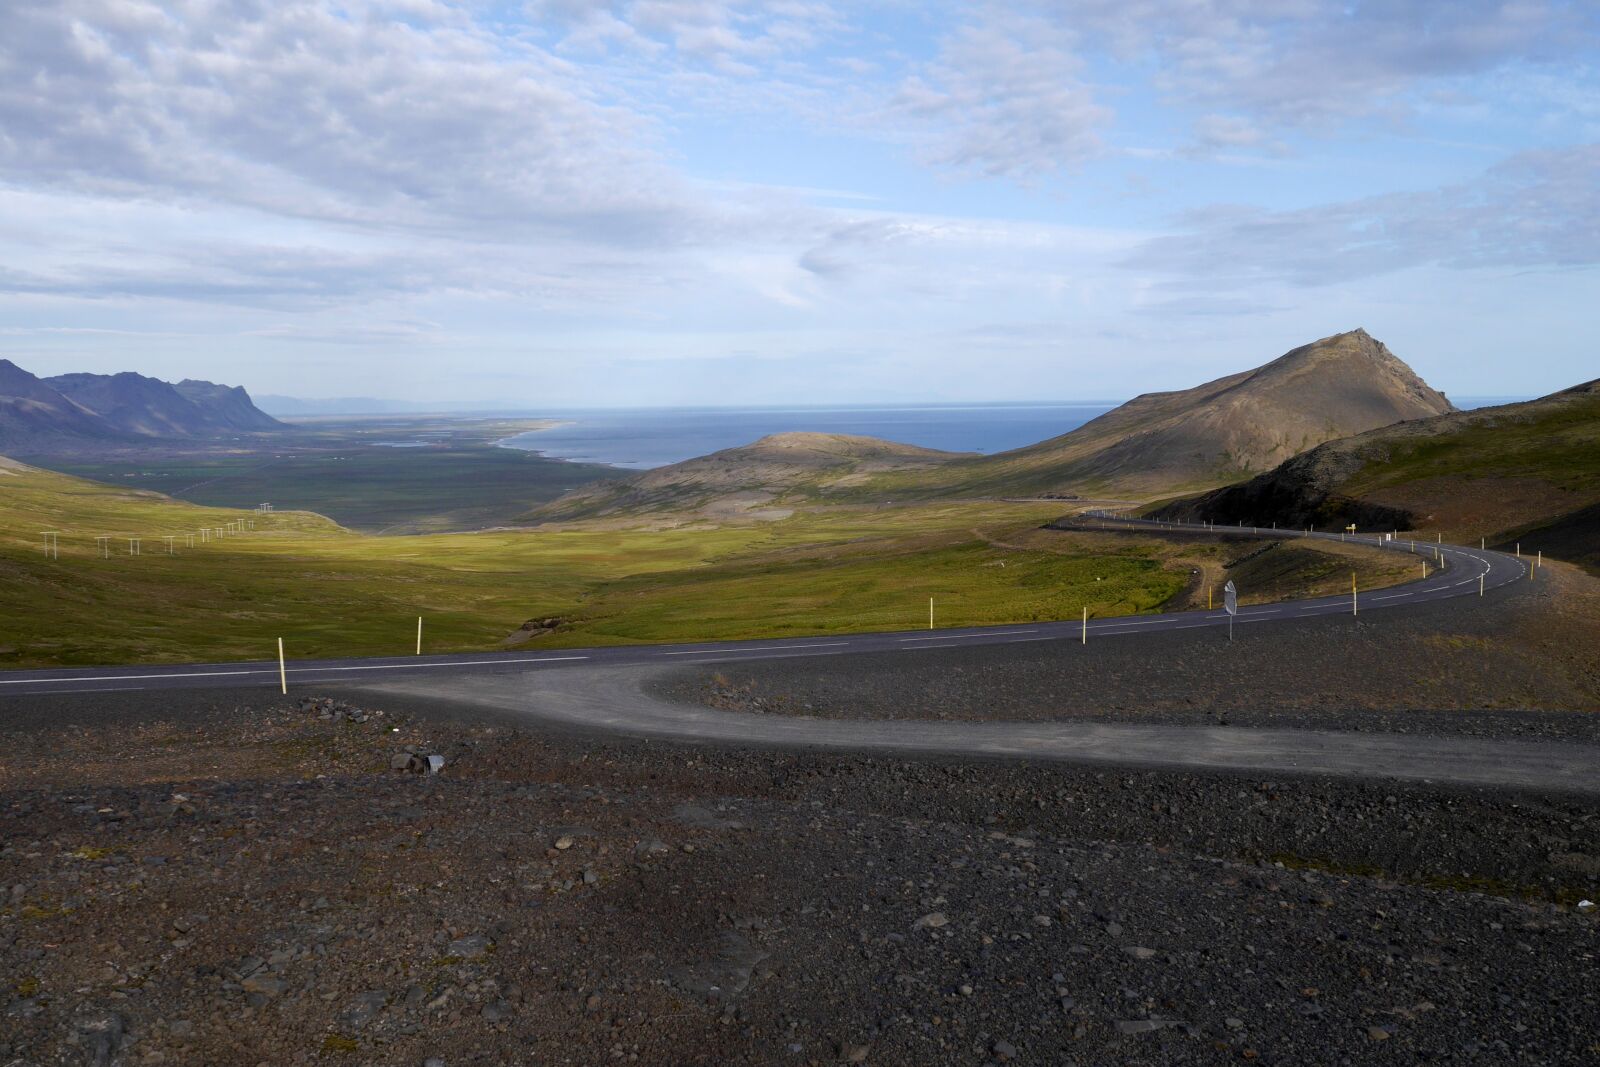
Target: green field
x,y
448,476
330,592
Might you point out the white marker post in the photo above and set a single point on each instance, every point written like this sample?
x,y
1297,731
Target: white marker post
x,y
419,635
1086,626
1480,585
930,613
283,673
1355,608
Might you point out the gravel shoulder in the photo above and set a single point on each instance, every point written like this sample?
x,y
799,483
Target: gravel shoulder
x,y
1520,665
227,878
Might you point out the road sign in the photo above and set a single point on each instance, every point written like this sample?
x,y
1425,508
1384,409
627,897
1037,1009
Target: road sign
x,y
1230,599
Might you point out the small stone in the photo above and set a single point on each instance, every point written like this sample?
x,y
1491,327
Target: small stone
x,y
101,1032
363,1009
1005,1050
264,983
497,1012
563,842
1139,952
1378,1033
933,920
1144,1026
854,1053
468,948
1233,1024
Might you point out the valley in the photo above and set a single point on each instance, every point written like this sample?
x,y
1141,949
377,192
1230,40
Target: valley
x,y
389,475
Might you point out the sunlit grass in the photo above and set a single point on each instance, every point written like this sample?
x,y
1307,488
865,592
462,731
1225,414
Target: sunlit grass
x,y
330,592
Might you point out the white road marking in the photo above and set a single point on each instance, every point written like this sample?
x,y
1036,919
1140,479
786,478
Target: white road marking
x,y
162,676
969,637
419,666
1104,622
764,648
129,677
107,689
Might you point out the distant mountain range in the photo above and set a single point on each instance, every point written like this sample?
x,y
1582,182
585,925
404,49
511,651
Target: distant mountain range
x,y
1156,444
85,408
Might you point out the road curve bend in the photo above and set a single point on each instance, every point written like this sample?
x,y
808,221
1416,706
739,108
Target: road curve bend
x,y
603,689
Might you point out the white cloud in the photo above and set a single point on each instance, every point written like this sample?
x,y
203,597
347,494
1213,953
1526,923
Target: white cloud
x,y
375,113
1537,209
1004,99
1315,64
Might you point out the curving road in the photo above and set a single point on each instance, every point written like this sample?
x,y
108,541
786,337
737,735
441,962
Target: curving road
x,y
1457,573
602,689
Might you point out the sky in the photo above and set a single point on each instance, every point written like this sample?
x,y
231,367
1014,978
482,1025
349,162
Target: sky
x,y
583,203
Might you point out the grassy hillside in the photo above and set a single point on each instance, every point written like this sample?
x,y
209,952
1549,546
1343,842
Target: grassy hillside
x,y
1528,471
754,481
331,592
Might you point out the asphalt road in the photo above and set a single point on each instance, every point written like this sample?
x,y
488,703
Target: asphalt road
x,y
603,689
1459,575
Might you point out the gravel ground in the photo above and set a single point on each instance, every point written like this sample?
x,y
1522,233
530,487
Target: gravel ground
x,y
220,878
1522,664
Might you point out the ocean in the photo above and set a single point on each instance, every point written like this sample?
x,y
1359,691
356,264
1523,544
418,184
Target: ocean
x,y
642,438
